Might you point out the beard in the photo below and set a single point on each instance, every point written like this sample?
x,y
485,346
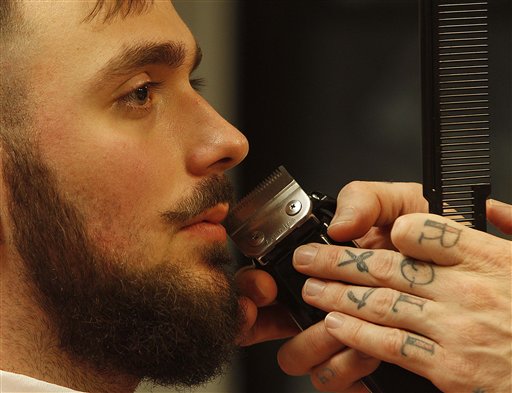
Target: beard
x,y
163,323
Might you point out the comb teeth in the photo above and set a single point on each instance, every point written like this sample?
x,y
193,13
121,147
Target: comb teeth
x,y
463,108
267,189
460,150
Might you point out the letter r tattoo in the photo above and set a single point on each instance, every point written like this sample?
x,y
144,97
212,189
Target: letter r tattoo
x,y
447,235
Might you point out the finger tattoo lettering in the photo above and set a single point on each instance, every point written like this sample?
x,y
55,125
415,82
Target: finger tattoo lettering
x,y
418,343
325,375
409,299
478,390
447,235
359,260
360,302
416,272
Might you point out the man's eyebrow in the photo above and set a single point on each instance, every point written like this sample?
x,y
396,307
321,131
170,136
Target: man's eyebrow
x,y
171,54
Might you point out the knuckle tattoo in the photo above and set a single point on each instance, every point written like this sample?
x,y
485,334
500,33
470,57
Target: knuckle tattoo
x,y
446,234
408,300
417,343
323,377
417,272
359,260
360,302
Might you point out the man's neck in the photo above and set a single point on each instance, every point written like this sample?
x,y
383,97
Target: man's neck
x,y
29,345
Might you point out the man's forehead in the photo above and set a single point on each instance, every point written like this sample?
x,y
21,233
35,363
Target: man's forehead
x,y
96,49
107,10
89,11
117,19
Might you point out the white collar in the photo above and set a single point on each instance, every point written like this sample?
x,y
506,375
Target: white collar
x,y
12,383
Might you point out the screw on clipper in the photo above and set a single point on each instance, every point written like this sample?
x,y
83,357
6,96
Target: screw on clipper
x,y
293,207
256,238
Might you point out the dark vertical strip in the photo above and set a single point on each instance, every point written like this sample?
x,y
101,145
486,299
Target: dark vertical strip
x,y
432,187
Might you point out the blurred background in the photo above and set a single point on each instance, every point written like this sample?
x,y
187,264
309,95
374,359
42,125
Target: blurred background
x,y
331,90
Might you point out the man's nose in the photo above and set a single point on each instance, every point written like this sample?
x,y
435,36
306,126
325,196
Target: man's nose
x,y
216,145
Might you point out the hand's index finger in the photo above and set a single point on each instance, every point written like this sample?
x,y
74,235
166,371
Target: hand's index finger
x,y
362,205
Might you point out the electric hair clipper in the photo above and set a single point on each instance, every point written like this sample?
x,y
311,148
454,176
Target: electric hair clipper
x,y
270,223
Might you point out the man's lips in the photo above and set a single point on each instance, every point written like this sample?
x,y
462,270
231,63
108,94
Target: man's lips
x,y
208,223
215,215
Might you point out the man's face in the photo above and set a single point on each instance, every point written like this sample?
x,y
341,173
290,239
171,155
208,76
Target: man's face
x,y
130,162
128,141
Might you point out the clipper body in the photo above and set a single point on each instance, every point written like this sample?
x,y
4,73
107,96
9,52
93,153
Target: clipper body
x,y
270,223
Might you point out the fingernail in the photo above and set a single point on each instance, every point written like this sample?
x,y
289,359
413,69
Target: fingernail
x,y
314,287
343,216
334,320
498,204
304,255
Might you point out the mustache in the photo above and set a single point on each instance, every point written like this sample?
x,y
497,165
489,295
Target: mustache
x,y
206,194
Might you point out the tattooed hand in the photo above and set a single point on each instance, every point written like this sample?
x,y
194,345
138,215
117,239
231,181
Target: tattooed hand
x,y
435,298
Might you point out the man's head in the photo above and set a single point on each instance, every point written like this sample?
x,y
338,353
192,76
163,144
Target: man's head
x,y
113,187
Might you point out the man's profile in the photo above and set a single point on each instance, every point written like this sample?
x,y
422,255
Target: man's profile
x,y
113,190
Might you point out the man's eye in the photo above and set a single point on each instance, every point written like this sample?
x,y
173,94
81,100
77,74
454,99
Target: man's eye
x,y
140,95
140,98
137,97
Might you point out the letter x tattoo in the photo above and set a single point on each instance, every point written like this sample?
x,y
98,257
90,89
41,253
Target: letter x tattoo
x,y
358,260
447,235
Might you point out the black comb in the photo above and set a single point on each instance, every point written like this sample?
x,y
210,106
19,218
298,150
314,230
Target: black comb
x,y
455,102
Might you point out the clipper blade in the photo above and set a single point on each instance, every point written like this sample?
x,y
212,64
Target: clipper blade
x,y
260,219
267,189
